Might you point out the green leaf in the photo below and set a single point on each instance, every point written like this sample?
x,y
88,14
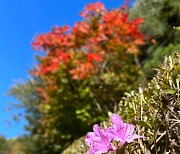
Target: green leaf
x,y
168,91
144,124
177,28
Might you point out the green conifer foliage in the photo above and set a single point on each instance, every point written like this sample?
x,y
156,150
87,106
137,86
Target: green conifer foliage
x,y
160,17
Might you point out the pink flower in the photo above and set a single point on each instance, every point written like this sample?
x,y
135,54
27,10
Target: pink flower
x,y
120,131
98,141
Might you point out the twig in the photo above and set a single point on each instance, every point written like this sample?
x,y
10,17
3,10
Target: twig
x,y
158,139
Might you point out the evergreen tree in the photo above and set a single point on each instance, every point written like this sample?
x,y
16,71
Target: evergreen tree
x,y
160,17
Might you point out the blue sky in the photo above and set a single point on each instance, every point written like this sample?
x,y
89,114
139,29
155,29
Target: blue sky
x,y
21,20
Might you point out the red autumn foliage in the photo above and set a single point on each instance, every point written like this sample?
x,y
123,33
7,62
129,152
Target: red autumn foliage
x,y
94,56
88,41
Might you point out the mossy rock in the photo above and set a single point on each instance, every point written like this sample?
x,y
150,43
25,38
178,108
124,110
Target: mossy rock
x,y
77,147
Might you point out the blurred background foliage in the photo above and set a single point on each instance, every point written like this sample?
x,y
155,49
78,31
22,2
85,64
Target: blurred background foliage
x,y
154,109
160,17
99,60
21,145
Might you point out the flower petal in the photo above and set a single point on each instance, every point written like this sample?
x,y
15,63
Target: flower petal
x,y
95,150
116,120
128,129
98,130
91,138
132,137
98,141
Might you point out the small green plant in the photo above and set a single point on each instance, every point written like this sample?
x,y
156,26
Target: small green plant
x,y
155,110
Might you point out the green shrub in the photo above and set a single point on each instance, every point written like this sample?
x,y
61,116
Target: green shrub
x,y
155,110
